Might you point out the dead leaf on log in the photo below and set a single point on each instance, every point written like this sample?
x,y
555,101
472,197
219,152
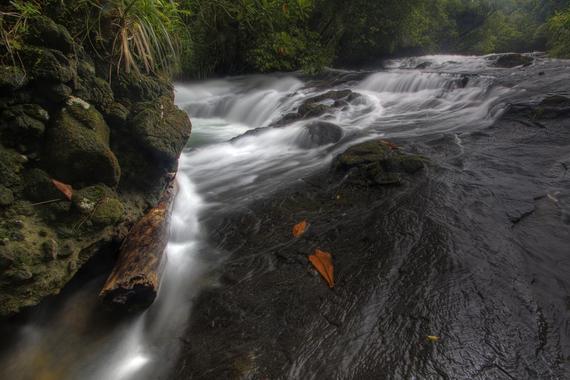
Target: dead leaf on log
x,y
64,188
322,261
300,228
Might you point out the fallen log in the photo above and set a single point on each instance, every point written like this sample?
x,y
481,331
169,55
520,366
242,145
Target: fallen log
x,y
133,283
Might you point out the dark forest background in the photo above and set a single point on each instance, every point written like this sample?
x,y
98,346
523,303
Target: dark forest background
x,y
200,38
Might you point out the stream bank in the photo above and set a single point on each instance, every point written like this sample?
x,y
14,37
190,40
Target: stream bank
x,y
112,139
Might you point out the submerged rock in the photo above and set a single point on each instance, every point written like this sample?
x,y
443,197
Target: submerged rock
x,y
319,105
319,133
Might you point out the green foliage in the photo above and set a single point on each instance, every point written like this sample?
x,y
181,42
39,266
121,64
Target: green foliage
x,y
558,30
14,20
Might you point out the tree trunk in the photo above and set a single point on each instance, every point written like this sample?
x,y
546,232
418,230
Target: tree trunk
x,y
133,283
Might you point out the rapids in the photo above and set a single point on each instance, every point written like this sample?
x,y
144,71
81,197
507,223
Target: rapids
x,y
70,338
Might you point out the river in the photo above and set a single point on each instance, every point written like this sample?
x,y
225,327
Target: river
x,y
486,306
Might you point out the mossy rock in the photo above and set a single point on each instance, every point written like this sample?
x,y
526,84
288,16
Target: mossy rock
x,y
38,186
11,165
47,64
377,162
23,124
6,196
108,212
135,87
100,203
12,78
117,116
46,33
97,92
161,129
77,147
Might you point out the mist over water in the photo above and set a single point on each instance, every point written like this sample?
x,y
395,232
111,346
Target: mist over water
x,y
217,174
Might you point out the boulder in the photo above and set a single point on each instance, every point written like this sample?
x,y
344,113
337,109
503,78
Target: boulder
x,y
77,147
319,133
377,162
38,186
100,203
47,64
12,78
23,124
319,105
46,33
161,129
135,87
11,166
97,92
6,196
511,60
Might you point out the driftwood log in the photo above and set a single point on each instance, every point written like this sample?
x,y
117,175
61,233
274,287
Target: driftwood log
x,y
133,283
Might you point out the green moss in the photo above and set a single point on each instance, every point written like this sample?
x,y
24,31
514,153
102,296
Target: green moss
x,y
46,64
77,147
12,78
378,162
161,129
108,211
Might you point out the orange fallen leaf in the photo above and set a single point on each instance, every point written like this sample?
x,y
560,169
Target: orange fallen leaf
x,y
433,338
300,228
322,261
64,188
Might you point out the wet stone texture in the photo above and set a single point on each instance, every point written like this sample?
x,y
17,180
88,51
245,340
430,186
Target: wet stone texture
x,y
461,249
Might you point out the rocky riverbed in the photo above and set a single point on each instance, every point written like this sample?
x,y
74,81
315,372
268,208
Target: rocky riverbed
x,y
451,258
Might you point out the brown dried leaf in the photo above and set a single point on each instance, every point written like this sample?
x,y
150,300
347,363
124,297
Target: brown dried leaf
x,y
322,261
64,188
300,228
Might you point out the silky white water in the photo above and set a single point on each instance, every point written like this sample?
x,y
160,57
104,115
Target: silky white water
x,y
218,173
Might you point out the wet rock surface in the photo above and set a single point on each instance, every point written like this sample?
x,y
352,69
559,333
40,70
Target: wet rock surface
x,y
458,272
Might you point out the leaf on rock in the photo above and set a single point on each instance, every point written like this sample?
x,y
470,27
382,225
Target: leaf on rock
x,y
300,228
433,338
64,188
322,261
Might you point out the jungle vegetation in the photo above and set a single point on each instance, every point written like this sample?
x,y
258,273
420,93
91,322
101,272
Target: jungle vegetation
x,y
199,38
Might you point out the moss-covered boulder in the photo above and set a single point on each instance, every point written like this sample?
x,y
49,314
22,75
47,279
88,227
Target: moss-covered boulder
x,y
46,33
6,196
38,186
12,78
23,125
11,167
100,203
135,87
377,162
97,92
47,64
77,147
161,129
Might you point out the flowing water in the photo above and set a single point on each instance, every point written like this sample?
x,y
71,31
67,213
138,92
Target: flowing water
x,y
218,171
